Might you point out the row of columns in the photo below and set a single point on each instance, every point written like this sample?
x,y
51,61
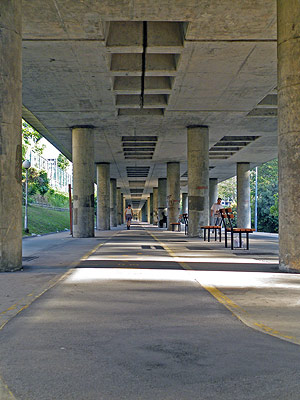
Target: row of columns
x,y
168,197
110,199
11,148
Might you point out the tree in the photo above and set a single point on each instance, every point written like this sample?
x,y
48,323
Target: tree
x,y
62,162
227,190
38,182
30,137
267,198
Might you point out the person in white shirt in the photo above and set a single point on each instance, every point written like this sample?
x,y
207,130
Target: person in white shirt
x,y
215,211
128,215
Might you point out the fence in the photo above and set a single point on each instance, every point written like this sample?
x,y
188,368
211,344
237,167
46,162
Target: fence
x,y
59,179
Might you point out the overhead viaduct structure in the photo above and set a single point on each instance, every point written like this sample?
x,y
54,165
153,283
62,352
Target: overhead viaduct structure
x,y
150,98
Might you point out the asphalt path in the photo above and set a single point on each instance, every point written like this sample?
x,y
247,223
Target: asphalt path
x,y
130,323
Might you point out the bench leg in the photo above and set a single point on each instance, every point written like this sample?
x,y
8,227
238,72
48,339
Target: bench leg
x,y
225,238
220,235
208,235
247,240
231,240
240,239
216,235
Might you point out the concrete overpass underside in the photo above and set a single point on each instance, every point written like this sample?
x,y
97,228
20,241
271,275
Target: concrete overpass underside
x,y
155,90
141,72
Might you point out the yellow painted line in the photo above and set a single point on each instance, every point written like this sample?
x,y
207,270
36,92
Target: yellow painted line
x,y
5,393
234,308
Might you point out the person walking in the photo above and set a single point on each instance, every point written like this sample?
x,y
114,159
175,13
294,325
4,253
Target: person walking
x,y
215,211
128,215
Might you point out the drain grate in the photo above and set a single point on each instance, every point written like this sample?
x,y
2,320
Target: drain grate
x,y
147,247
193,248
29,258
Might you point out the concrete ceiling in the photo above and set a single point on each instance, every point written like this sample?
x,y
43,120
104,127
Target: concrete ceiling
x,y
196,62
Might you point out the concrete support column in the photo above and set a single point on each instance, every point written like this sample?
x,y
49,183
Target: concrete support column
x,y
151,208
113,203
119,206
155,206
213,194
173,192
288,56
83,185
148,210
103,196
185,203
288,87
162,197
122,209
243,195
198,178
144,212
10,135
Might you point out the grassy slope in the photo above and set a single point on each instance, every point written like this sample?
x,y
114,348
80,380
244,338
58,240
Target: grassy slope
x,y
42,220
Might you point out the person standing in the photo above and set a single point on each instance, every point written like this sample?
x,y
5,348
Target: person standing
x,y
215,211
128,215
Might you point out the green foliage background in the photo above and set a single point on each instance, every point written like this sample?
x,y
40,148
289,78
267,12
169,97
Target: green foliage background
x,y
267,195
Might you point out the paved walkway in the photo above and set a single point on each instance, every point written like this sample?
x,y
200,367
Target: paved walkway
x,y
129,315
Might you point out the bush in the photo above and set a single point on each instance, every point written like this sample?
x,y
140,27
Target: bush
x,y
56,199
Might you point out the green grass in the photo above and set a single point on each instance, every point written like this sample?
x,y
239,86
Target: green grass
x,y
42,220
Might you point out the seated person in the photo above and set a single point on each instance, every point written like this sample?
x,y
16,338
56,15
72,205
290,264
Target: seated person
x,y
163,220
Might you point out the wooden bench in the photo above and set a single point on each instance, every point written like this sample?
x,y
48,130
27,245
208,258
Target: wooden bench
x,y
227,218
216,228
178,224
